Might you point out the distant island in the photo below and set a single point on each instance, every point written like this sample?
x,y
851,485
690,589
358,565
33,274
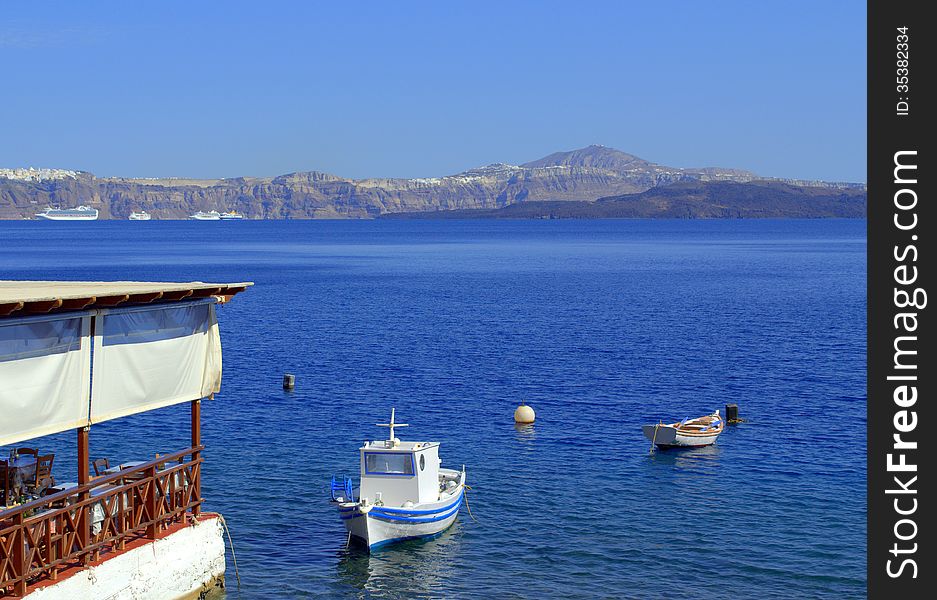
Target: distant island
x,y
592,182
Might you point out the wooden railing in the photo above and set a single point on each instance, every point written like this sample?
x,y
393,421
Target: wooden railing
x,y
75,526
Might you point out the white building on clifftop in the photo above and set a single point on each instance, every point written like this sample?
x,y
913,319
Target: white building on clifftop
x,y
34,174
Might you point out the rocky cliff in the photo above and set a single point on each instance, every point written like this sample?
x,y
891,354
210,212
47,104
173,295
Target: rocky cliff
x,y
686,200
580,175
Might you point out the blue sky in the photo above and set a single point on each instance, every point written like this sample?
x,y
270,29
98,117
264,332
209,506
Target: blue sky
x,y
412,89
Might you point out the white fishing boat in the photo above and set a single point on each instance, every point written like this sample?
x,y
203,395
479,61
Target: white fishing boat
x,y
231,216
688,433
404,493
139,216
212,215
79,213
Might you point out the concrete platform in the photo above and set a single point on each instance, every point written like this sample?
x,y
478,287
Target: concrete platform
x,y
188,562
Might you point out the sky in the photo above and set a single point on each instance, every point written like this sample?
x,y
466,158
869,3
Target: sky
x,y
424,89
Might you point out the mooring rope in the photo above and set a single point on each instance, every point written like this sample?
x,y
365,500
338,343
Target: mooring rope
x,y
654,441
469,508
233,555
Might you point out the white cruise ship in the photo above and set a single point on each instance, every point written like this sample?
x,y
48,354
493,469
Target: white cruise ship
x,y
231,216
139,216
212,215
80,213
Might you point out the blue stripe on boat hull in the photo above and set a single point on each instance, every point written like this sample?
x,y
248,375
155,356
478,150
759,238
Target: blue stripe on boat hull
x,y
404,511
402,515
441,516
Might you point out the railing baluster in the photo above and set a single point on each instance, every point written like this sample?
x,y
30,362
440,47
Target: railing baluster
x,y
151,531
20,568
121,526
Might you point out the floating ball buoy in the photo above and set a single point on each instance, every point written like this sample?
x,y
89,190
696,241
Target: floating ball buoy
x,y
524,414
289,381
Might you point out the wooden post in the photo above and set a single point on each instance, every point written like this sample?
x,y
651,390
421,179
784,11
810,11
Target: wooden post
x,y
84,476
84,472
196,442
196,423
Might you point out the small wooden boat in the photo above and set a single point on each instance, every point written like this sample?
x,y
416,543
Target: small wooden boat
x,y
404,492
688,433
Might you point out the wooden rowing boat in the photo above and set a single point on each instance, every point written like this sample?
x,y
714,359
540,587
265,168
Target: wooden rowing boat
x,y
688,433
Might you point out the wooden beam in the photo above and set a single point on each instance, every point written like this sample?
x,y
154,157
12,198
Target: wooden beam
x,y
9,308
196,409
43,306
77,303
176,295
228,293
112,300
84,476
145,298
206,292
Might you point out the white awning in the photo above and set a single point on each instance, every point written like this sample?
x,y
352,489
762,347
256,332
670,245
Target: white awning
x,y
147,358
55,377
45,367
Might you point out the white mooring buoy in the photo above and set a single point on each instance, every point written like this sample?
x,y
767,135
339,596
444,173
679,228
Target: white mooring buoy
x,y
524,414
289,381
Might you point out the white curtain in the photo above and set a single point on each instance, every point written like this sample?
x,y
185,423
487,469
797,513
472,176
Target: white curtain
x,y
150,357
44,376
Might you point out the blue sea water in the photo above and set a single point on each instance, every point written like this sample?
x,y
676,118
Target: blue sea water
x,y
601,326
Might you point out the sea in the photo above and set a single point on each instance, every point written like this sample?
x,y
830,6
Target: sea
x,y
601,326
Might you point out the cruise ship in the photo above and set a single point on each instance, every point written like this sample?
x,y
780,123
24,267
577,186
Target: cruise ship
x,y
81,213
140,216
231,216
212,215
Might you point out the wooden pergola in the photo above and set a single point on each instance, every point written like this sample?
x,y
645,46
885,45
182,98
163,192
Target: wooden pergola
x,y
54,532
19,298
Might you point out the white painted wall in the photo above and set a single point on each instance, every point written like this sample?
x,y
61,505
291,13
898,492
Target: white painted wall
x,y
180,565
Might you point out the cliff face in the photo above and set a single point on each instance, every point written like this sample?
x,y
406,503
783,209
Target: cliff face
x,y
686,200
580,175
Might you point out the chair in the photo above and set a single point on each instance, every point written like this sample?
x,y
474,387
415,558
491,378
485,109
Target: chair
x,y
33,451
100,465
44,477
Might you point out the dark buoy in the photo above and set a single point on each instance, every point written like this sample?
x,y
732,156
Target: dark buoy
x,y
732,414
289,381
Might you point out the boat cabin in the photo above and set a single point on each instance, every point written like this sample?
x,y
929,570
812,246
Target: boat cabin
x,y
396,473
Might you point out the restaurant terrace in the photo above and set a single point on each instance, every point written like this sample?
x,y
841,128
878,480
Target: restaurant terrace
x,y
75,354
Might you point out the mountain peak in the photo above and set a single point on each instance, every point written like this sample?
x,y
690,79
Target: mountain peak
x,y
597,156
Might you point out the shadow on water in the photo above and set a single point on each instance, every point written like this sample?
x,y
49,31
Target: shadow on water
x,y
403,570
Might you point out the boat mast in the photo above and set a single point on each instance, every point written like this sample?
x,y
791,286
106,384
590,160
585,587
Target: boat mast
x,y
391,425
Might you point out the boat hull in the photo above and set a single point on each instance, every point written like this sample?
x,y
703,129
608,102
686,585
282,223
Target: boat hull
x,y
665,436
377,526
